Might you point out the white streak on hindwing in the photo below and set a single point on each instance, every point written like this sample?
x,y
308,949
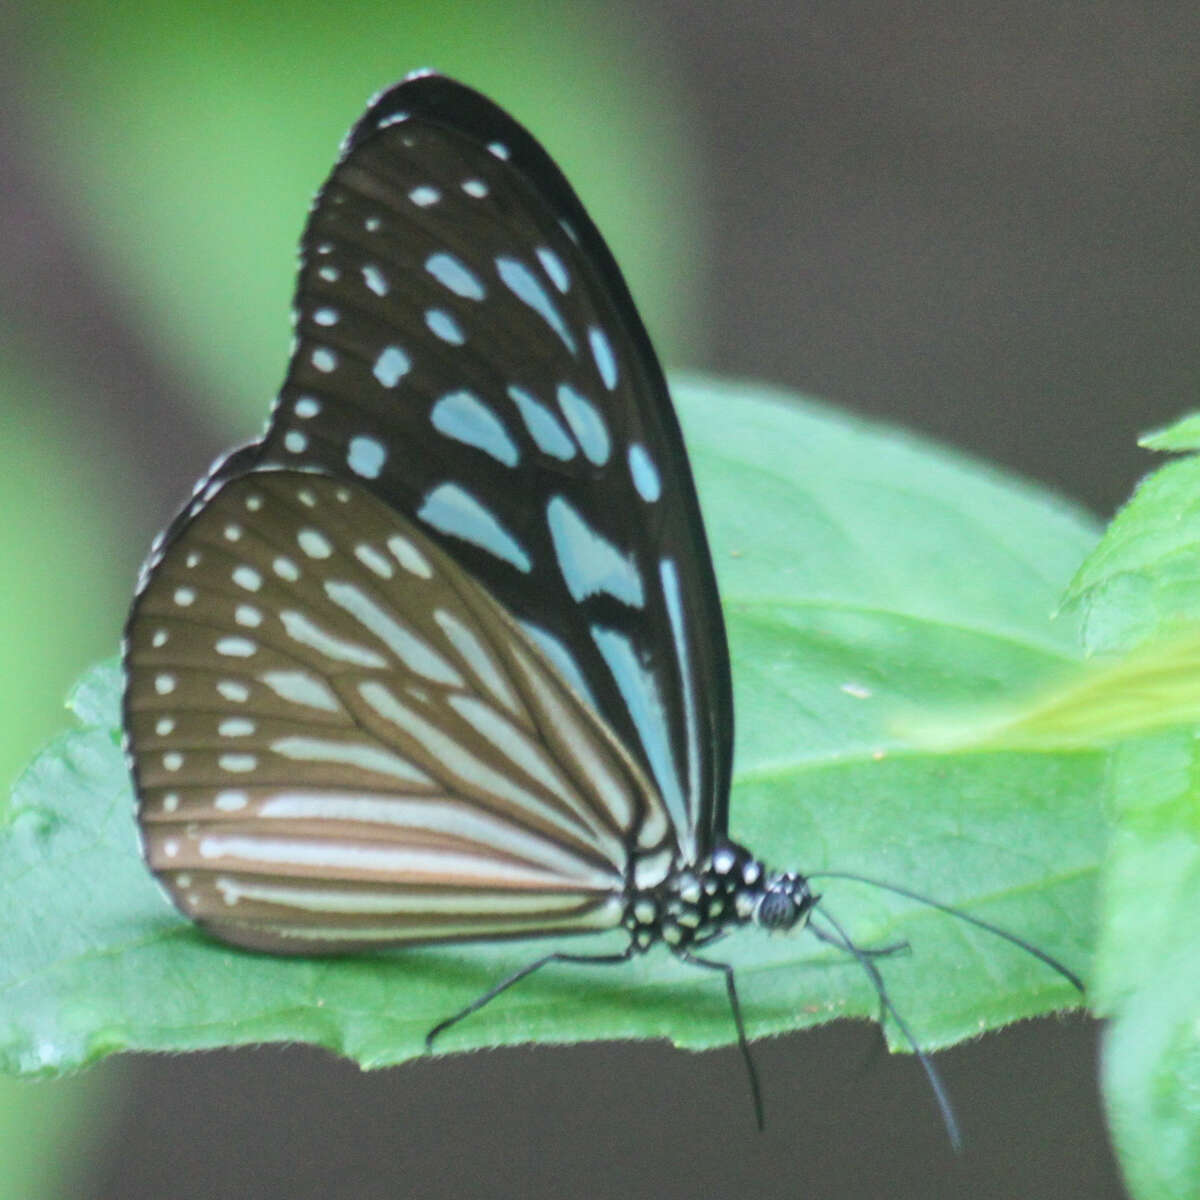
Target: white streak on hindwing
x,y
395,731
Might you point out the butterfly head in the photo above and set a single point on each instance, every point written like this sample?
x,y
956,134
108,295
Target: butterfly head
x,y
785,902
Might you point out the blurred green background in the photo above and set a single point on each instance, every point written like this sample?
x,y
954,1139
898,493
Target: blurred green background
x,y
976,220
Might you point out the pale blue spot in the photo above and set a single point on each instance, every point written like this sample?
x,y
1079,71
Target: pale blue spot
x,y
294,442
307,407
365,456
475,187
374,279
452,510
669,578
499,149
606,362
644,473
329,274
464,417
424,196
586,424
326,316
443,325
391,366
589,563
524,284
548,435
373,224
392,119
553,266
639,690
454,274
324,359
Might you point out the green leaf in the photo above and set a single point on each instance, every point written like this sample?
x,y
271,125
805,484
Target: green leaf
x,y
1139,593
1143,579
865,574
1155,686
1148,966
1183,435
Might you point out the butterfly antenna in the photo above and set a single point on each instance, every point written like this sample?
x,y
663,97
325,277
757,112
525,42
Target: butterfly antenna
x,y
841,939
950,910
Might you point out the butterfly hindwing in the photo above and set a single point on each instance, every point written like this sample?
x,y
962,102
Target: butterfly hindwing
x,y
340,739
467,350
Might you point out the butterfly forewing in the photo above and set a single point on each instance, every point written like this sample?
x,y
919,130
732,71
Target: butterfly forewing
x,y
341,739
468,351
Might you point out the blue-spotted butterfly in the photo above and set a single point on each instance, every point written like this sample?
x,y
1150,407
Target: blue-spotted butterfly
x,y
441,657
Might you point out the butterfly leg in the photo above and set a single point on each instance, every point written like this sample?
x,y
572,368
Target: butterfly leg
x,y
735,1006
516,977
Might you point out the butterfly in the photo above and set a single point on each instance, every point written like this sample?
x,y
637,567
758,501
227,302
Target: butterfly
x,y
441,656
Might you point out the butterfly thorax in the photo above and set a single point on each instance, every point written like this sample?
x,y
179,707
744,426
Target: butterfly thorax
x,y
730,887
